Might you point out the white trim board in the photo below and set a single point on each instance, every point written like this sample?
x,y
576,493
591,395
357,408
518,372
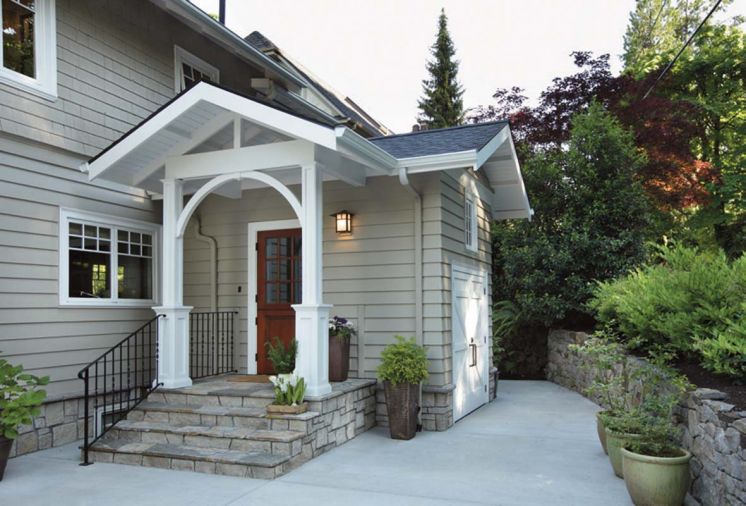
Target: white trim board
x,y
251,314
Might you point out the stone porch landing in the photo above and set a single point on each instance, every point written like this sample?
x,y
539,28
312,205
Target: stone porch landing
x,y
217,426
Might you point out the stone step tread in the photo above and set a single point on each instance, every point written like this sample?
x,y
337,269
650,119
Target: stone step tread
x,y
220,411
278,436
258,459
263,391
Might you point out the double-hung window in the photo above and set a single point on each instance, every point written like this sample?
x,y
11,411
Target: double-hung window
x,y
107,260
470,223
28,59
189,70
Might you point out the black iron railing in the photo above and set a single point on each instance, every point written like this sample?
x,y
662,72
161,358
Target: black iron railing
x,y
119,380
211,343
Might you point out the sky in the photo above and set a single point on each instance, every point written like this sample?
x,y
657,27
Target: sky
x,y
375,51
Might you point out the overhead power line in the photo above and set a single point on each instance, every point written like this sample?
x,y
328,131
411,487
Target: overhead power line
x,y
688,41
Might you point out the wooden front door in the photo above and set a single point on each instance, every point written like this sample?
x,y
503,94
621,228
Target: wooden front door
x,y
278,286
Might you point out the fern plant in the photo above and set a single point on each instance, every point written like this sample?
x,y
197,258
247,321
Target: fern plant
x,y
281,356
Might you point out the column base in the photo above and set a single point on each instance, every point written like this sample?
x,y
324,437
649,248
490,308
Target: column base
x,y
312,333
173,346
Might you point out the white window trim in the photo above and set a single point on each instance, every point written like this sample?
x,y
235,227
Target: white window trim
x,y
471,222
181,55
112,221
44,85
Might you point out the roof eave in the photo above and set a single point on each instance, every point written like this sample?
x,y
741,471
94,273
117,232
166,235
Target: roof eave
x,y
444,161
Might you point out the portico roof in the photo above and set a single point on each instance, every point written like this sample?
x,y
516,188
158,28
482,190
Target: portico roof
x,y
211,119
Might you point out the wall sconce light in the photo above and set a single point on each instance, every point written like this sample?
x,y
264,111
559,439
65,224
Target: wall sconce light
x,y
343,222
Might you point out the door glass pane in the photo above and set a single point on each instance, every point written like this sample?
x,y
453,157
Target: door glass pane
x,y
297,294
134,277
284,246
89,274
285,269
270,293
296,246
18,36
271,270
284,292
270,249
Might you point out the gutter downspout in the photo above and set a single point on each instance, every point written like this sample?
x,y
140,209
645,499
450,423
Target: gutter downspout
x,y
212,243
418,278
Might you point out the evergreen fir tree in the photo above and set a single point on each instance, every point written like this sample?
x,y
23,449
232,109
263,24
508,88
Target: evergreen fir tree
x,y
442,105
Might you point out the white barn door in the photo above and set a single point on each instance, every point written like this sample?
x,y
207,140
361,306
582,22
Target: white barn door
x,y
470,326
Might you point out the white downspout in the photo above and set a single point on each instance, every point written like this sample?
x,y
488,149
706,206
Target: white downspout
x,y
212,243
418,304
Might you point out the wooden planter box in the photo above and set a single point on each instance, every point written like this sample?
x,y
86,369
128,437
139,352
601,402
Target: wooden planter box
x,y
279,409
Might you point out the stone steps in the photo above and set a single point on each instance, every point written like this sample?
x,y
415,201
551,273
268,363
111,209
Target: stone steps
x,y
189,458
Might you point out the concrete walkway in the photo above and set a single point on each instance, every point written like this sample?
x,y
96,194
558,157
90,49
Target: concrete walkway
x,y
535,445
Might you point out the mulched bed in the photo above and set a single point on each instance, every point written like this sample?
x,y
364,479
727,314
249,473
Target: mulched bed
x,y
706,379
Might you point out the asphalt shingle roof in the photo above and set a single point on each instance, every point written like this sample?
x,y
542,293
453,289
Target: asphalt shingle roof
x,y
439,141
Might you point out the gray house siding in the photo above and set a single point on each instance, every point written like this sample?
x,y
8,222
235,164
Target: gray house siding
x,y
115,66
49,339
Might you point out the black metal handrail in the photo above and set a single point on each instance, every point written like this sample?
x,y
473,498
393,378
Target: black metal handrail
x,y
211,343
118,380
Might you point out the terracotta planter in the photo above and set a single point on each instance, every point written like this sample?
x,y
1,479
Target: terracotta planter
x,y
601,431
5,445
656,481
339,358
402,407
614,443
280,409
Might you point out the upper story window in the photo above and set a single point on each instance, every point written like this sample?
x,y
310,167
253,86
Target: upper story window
x,y
470,224
29,56
189,70
106,260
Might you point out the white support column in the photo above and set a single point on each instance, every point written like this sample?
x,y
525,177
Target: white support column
x,y
312,315
173,327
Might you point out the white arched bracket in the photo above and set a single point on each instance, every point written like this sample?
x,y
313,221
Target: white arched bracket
x,y
219,181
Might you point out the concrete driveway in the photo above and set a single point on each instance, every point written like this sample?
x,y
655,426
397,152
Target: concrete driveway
x,y
535,445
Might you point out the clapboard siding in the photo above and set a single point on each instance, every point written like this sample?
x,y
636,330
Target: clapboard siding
x,y
49,339
369,274
115,66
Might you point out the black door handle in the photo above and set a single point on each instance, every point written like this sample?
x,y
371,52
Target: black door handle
x,y
473,347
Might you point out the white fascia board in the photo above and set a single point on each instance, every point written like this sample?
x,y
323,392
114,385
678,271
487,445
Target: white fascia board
x,y
524,193
446,161
255,112
207,26
489,149
360,148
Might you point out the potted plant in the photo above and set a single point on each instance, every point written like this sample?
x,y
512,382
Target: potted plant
x,y
20,399
606,360
340,335
403,367
282,357
656,469
290,389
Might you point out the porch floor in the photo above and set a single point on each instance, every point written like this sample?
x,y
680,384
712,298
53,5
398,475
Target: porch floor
x,y
536,445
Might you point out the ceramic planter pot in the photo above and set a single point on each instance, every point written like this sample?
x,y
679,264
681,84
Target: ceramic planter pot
x,y
5,445
401,406
614,443
339,358
601,431
656,481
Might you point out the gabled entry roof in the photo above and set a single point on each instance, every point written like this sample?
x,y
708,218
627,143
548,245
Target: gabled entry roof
x,y
209,119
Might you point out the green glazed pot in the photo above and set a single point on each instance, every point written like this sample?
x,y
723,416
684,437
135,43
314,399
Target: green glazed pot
x,y
614,443
656,481
601,431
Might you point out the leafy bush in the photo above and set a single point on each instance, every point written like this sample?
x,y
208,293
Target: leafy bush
x,y
403,362
686,301
20,398
282,357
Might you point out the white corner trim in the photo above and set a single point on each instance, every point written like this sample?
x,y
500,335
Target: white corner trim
x,y
67,214
252,289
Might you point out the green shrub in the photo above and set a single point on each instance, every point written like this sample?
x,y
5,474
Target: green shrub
x,y
282,357
20,398
403,362
685,302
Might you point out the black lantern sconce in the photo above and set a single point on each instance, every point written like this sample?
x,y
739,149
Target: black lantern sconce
x,y
343,222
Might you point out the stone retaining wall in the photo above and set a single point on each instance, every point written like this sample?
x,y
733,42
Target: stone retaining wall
x,y
60,422
712,429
